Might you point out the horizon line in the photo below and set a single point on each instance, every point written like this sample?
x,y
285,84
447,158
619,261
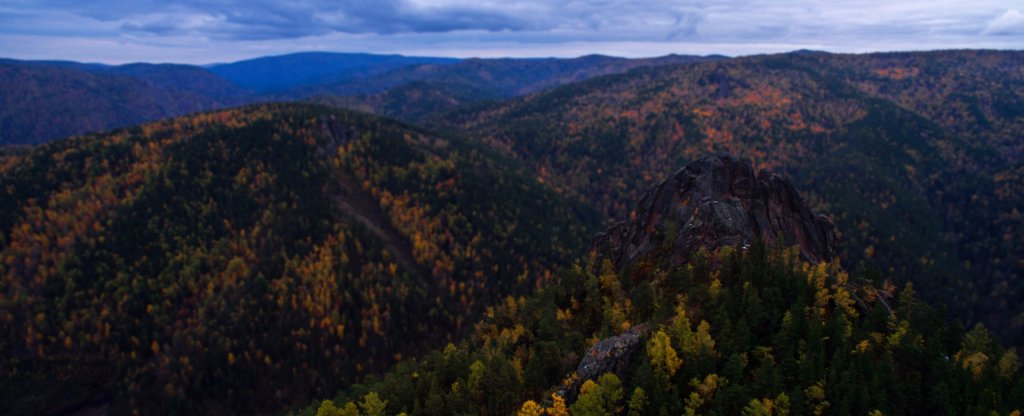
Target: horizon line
x,y
475,57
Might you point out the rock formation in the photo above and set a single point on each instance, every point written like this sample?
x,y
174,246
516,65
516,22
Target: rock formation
x,y
715,202
610,354
711,203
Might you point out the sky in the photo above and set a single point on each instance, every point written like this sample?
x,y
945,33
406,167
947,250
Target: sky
x,y
201,32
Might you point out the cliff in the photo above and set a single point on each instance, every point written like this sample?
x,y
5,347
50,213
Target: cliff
x,y
715,202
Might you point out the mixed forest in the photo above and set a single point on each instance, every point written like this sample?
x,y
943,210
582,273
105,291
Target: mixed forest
x,y
238,261
916,156
437,258
764,333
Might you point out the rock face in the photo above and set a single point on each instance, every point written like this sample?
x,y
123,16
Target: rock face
x,y
610,354
596,361
715,202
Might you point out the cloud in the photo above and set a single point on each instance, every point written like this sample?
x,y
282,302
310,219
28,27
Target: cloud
x,y
266,19
604,19
172,23
211,30
1011,22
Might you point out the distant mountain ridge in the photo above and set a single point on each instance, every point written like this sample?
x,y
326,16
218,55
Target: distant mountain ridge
x,y
283,73
42,101
52,99
413,93
505,77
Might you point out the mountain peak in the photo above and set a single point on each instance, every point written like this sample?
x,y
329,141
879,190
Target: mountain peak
x,y
715,202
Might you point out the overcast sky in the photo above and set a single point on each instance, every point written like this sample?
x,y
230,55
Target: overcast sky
x,y
192,31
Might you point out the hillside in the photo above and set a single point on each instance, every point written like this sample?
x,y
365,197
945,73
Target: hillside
x,y
719,327
241,261
186,80
414,102
891,146
42,101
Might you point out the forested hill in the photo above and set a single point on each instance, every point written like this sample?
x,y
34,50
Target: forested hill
x,y
685,309
915,156
244,260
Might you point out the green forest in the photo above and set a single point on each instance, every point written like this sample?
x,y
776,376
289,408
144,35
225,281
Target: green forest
x,y
763,333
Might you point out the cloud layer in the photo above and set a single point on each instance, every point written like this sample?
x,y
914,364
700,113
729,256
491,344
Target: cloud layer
x,y
219,30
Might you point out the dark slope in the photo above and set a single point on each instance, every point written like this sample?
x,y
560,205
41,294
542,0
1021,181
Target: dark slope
x,y
42,101
414,102
299,71
242,260
935,198
360,206
709,328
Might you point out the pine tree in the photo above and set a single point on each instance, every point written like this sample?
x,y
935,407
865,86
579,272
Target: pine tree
x,y
637,402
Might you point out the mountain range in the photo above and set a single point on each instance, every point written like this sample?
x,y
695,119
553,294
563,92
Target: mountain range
x,y
46,100
801,233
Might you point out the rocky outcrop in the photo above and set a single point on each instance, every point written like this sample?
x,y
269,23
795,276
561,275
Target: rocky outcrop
x,y
596,360
610,354
715,202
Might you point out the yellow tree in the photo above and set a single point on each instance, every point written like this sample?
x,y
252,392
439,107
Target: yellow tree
x,y
663,357
558,407
531,408
372,405
600,398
